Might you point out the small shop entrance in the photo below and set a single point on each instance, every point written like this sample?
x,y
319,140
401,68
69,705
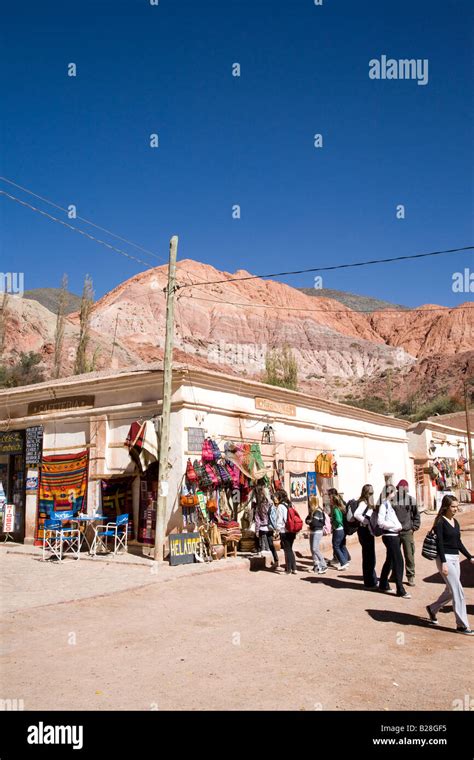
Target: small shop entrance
x,y
12,485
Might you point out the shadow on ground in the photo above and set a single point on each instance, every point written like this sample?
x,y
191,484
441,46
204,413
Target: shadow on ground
x,y
405,618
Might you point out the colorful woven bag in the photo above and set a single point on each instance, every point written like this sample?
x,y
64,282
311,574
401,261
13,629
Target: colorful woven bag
x,y
212,475
191,475
207,451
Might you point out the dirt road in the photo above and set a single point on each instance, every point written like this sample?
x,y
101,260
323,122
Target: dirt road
x,y
236,640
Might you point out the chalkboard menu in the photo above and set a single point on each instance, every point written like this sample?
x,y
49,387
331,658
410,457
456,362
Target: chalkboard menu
x,y
11,443
34,444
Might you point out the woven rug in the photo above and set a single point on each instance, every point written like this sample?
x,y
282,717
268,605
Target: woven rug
x,y
63,485
117,499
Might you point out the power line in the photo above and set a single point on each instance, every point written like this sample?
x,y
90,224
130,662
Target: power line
x,y
77,229
88,221
331,311
331,268
83,219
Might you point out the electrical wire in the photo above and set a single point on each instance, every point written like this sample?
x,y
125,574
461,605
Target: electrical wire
x,y
93,224
332,268
76,229
83,219
330,312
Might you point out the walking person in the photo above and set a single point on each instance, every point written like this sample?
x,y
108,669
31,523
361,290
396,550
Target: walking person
x,y
263,528
287,538
363,512
338,509
388,521
406,509
449,544
315,522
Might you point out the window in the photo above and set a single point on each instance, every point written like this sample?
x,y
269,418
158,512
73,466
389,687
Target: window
x,y
195,439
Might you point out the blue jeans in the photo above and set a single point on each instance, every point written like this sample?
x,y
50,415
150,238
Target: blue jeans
x,y
339,546
314,541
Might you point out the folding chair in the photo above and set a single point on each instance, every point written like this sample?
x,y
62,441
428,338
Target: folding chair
x,y
117,530
60,540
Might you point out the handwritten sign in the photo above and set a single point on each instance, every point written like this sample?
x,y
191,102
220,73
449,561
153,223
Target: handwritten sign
x,y
182,548
34,444
11,443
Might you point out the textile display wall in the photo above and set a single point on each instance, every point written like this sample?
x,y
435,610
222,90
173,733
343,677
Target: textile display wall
x,y
63,485
117,499
148,501
298,487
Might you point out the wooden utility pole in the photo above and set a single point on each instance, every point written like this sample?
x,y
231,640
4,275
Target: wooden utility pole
x,y
163,464
468,432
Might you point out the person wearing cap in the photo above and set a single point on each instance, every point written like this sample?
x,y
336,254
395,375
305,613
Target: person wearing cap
x,y
406,509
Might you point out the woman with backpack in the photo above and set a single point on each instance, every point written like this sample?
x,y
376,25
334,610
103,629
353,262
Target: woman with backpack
x,y
315,522
390,527
263,524
286,536
338,510
449,544
364,509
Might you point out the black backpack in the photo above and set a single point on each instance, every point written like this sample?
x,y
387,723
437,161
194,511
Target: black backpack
x,y
315,523
349,521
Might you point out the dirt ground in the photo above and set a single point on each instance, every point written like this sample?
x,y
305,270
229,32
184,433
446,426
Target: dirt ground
x,y
232,640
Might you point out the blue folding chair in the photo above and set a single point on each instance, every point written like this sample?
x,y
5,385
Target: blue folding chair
x,y
118,530
58,539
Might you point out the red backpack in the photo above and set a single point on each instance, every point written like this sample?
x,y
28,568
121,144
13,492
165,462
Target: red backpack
x,y
294,523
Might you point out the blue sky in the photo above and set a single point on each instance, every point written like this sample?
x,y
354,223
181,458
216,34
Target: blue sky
x,y
225,140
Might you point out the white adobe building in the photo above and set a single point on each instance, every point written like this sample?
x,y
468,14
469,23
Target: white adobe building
x,y
95,412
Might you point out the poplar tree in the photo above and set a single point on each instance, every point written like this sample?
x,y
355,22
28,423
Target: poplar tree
x,y
60,320
87,301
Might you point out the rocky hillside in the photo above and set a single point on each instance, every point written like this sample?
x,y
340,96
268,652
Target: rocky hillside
x,y
49,298
231,325
352,300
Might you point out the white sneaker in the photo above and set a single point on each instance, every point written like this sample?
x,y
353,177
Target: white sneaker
x,y
322,571
343,567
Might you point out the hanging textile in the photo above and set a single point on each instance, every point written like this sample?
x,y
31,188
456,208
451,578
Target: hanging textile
x,y
142,443
62,485
312,488
323,464
117,499
298,487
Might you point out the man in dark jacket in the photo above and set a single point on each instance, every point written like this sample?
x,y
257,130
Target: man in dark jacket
x,y
407,512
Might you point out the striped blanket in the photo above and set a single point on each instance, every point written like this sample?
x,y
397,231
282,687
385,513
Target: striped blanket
x,y
62,485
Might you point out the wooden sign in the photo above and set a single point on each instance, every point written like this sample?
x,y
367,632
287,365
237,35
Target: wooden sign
x,y
34,444
11,443
182,548
275,406
66,404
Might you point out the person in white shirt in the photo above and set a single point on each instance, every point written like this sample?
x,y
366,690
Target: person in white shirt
x,y
365,507
287,539
388,521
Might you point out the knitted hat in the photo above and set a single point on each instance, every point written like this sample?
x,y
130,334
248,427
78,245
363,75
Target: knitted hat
x,y
402,484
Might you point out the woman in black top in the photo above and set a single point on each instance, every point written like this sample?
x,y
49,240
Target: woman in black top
x,y
449,544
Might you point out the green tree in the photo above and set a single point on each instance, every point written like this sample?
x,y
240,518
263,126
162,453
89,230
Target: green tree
x,y
60,320
25,372
81,364
281,368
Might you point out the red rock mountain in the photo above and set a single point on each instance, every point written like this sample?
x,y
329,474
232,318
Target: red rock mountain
x,y
232,324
